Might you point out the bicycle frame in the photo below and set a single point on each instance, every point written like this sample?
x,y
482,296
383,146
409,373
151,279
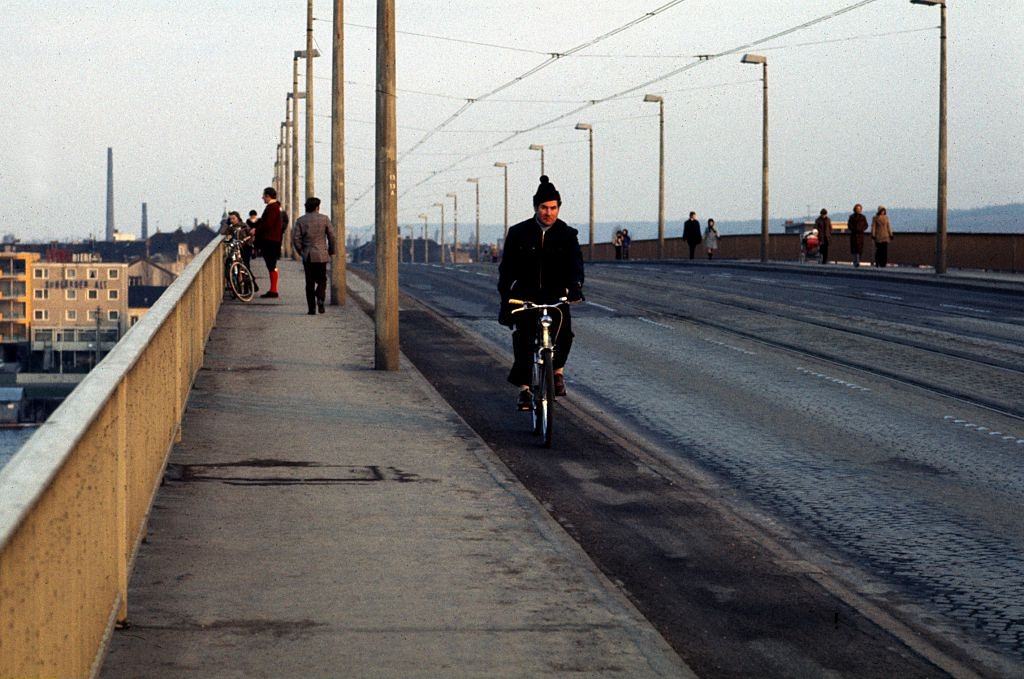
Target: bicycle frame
x,y
542,382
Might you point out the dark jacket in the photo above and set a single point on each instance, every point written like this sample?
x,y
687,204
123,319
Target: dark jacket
x,y
824,226
691,231
857,224
269,227
541,267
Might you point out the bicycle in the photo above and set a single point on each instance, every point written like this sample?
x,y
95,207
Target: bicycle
x,y
238,278
542,381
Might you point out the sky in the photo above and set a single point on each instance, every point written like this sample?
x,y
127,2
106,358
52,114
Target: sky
x,y
192,100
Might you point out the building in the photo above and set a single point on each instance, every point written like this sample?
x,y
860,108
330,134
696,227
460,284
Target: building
x,y
78,313
15,302
12,404
140,299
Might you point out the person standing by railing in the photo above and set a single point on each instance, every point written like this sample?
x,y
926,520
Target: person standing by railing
x,y
711,239
824,226
313,240
269,230
857,224
691,233
881,233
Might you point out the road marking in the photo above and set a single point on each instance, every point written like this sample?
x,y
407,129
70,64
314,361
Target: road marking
x,y
762,280
436,266
965,308
721,275
816,286
730,347
660,325
602,306
481,273
834,380
970,426
881,296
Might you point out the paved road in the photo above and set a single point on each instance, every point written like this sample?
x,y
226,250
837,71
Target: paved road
x,y
881,424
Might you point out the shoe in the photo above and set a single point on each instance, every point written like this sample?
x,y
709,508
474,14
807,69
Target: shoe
x,y
320,307
525,403
311,312
270,295
559,384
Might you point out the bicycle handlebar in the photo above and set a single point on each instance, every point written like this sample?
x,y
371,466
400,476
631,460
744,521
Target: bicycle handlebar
x,y
525,305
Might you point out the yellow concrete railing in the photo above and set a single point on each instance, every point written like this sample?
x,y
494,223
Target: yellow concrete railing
x,y
75,500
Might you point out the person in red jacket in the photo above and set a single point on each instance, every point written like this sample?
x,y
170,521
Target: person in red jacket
x,y
269,230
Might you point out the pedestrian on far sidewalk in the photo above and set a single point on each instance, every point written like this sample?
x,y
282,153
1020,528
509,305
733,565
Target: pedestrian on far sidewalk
x,y
313,241
711,239
824,226
626,240
269,231
881,233
691,233
617,244
857,225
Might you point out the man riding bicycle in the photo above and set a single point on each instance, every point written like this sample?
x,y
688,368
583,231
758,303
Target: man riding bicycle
x,y
542,262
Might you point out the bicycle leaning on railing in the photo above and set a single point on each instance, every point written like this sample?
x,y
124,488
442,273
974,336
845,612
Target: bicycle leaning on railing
x,y
542,381
238,279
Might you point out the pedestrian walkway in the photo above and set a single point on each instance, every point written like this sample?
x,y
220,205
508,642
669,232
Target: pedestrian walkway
x,y
322,519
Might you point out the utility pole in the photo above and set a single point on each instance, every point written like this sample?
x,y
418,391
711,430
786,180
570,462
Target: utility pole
x,y
476,182
590,132
539,147
504,166
658,99
310,190
96,358
455,228
426,252
385,311
338,289
441,205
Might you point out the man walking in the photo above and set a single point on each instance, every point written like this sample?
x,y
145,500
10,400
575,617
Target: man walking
x,y
269,229
313,241
824,226
857,224
691,233
542,262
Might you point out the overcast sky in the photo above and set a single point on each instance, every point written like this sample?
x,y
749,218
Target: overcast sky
x,y
191,101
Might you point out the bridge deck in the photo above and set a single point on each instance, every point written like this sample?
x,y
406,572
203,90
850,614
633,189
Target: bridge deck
x,y
320,518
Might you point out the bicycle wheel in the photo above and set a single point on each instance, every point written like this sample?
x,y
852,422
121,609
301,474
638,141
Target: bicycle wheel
x,y
242,285
535,388
548,396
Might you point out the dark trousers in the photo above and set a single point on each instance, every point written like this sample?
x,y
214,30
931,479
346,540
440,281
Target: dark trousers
x,y
524,340
693,247
618,252
882,254
316,283
271,252
823,249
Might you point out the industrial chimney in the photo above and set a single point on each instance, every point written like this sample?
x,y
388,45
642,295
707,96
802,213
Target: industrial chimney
x,y
145,223
110,194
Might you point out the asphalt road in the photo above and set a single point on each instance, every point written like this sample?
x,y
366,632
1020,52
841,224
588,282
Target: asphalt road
x,y
873,428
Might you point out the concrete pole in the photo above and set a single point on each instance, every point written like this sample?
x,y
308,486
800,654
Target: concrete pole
x,y
293,190
426,250
287,153
338,288
455,228
942,214
443,258
310,190
476,181
661,179
764,165
590,131
386,353
505,234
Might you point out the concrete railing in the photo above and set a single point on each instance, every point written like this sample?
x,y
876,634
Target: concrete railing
x,y
990,251
75,500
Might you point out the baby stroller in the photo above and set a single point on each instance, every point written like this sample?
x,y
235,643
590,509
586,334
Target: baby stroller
x,y
809,243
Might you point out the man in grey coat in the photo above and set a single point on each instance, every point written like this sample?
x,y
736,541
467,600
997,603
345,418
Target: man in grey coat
x,y
313,240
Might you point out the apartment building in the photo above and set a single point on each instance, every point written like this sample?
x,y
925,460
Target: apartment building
x,y
15,301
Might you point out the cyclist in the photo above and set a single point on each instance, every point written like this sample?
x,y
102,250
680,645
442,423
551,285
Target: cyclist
x,y
541,262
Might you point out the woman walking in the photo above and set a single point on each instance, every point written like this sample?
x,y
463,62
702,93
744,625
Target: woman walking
x,y
617,242
881,233
711,239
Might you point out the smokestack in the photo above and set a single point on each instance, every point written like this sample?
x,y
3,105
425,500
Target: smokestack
x,y
110,194
145,223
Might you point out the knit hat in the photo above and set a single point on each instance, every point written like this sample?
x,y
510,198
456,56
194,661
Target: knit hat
x,y
546,192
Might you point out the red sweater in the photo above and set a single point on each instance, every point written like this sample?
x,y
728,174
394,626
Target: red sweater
x,y
269,226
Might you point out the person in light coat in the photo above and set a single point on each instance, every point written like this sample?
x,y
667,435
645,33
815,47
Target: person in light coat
x,y
711,239
881,233
313,240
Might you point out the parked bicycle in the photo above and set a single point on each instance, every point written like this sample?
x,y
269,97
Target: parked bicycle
x,y
542,381
238,278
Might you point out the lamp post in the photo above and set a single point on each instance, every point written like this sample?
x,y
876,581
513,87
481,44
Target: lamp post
x,y
338,153
476,182
660,101
504,166
411,237
385,308
455,227
539,147
426,253
758,59
590,132
293,190
441,205
941,210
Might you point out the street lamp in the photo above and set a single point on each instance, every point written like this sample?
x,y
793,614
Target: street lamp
x,y
411,235
941,212
476,181
539,147
308,54
660,101
426,255
504,166
441,205
758,59
455,227
590,131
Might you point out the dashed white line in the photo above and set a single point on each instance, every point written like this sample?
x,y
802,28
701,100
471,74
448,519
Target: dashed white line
x,y
602,306
816,286
481,273
730,347
965,308
881,296
761,280
952,419
834,380
660,325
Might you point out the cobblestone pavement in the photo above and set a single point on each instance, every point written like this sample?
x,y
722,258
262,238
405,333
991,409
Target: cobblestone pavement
x,y
914,488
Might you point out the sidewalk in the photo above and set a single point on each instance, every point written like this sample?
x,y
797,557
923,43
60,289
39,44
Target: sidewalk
x,y
322,519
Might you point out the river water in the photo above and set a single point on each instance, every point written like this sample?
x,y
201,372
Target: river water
x,y
11,440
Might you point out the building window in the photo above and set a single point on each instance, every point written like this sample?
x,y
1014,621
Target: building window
x,y
70,273
113,315
40,274
112,294
71,315
41,315
44,335
92,274
113,273
41,294
134,280
94,294
71,294
92,315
